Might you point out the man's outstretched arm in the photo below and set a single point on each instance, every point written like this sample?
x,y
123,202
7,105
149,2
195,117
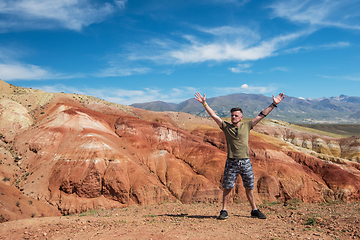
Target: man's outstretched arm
x,y
265,112
202,100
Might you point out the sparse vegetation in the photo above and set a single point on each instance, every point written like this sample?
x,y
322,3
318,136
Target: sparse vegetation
x,y
311,221
294,201
270,204
3,218
95,213
6,179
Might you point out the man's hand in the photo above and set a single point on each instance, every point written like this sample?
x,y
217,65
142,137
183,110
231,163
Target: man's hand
x,y
265,112
278,99
201,99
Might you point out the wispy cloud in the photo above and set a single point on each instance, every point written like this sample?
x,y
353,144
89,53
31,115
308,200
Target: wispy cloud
x,y
120,3
319,13
40,14
345,77
282,69
127,96
242,43
241,68
326,46
240,33
218,44
245,88
10,72
241,2
122,71
335,45
12,69
231,51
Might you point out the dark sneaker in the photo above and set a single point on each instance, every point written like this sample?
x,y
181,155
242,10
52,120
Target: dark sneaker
x,y
223,215
257,214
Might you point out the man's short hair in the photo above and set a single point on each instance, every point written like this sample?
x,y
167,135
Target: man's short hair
x,y
236,109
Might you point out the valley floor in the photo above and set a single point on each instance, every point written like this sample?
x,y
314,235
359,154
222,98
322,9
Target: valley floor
x,y
196,221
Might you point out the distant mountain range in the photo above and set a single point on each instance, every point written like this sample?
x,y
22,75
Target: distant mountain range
x,y
340,109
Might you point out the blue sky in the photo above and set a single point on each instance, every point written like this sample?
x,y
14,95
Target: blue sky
x,y
131,51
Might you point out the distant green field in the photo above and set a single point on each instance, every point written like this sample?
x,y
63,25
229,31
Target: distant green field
x,y
342,129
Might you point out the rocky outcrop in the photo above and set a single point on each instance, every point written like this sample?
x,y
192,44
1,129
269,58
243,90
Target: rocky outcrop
x,y
326,148
14,118
342,181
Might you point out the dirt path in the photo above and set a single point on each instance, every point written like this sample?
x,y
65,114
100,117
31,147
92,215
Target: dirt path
x,y
195,221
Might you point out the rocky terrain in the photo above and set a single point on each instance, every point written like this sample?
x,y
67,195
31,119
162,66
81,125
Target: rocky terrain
x,y
64,154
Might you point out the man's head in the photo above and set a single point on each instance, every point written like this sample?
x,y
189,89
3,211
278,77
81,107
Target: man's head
x,y
236,115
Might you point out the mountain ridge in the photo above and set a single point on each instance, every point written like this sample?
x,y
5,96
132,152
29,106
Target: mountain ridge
x,y
340,109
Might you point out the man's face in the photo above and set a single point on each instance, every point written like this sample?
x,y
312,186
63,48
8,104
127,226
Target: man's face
x,y
236,117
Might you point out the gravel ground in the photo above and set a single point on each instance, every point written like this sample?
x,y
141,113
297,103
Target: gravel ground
x,y
196,221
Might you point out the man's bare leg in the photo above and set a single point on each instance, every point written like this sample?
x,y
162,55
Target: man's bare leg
x,y
250,197
226,198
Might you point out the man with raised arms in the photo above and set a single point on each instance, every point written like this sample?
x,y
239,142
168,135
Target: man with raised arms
x,y
238,161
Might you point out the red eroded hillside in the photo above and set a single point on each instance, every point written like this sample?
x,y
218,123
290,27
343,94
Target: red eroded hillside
x,y
90,155
80,159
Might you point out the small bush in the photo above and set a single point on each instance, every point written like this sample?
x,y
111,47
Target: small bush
x,y
6,179
311,221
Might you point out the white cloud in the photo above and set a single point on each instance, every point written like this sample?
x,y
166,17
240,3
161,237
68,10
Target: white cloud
x,y
241,68
235,2
320,47
43,14
226,43
126,96
18,71
10,72
120,3
282,69
346,77
245,88
336,45
244,34
119,71
223,50
336,13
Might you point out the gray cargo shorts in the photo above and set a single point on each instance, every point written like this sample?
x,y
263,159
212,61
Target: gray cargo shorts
x,y
233,168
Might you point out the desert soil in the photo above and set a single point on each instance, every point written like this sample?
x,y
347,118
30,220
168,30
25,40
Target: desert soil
x,y
196,221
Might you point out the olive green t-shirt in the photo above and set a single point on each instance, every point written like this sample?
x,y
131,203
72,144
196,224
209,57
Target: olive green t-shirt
x,y
237,139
